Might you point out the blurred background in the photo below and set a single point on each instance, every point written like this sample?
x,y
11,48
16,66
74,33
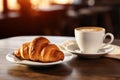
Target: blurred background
x,y
57,17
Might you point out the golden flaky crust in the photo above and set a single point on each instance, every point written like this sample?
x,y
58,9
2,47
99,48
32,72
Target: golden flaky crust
x,y
39,49
36,46
24,50
51,53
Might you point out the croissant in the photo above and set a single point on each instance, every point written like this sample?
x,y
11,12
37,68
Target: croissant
x,y
39,49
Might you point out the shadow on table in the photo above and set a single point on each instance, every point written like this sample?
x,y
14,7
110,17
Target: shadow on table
x,y
58,70
28,72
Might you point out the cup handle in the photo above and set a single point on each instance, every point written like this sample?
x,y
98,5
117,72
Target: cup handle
x,y
111,37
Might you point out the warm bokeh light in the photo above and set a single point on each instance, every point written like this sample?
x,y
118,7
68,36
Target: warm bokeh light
x,y
13,5
63,1
1,5
40,3
47,3
34,2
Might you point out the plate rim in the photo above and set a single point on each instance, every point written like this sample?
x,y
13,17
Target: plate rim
x,y
13,59
84,54
101,53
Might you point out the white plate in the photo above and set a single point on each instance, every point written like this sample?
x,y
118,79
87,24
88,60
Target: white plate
x,y
73,48
10,57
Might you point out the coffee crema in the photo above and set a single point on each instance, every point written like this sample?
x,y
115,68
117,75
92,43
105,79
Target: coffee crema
x,y
89,29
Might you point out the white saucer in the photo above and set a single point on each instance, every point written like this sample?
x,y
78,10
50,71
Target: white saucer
x,y
73,48
10,57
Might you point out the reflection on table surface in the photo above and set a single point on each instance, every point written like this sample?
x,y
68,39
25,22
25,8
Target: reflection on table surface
x,y
76,69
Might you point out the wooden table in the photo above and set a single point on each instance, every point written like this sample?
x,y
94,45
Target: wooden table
x,y
76,69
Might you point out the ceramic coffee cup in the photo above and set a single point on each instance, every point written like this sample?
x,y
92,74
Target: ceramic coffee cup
x,y
90,39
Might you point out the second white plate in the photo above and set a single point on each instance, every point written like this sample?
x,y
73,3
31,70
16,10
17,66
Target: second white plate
x,y
73,48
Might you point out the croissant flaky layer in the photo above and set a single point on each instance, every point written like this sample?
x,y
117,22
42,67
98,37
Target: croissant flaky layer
x,y
39,49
